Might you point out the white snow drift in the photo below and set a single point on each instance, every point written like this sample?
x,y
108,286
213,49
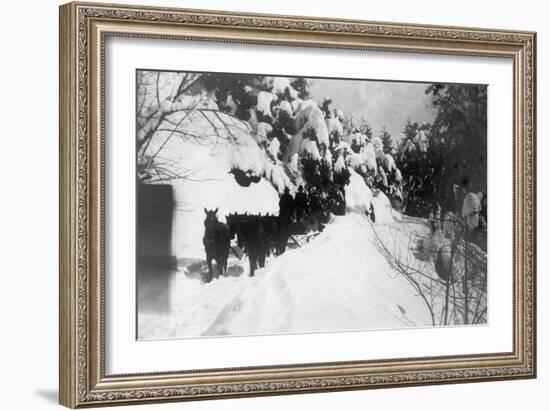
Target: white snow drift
x,y
337,282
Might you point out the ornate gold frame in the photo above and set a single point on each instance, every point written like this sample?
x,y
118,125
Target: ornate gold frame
x,y
83,30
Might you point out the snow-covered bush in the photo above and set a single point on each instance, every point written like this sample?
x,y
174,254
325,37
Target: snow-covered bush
x,y
312,137
422,141
358,141
264,103
358,194
262,132
341,178
286,107
246,158
276,175
378,148
389,163
335,130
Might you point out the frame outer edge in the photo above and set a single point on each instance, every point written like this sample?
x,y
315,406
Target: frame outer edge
x,y
77,388
68,326
533,136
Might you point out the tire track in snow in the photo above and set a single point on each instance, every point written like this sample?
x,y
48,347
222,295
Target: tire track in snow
x,y
338,281
266,303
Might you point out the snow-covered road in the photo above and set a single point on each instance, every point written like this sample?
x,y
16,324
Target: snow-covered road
x,y
339,281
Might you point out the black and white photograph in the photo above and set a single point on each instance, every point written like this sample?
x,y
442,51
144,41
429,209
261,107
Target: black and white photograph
x,y
275,205
278,204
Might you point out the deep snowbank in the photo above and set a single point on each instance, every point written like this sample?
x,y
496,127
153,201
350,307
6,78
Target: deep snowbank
x,y
358,194
339,281
359,198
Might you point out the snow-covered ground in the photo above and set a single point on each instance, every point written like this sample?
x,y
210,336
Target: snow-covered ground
x,y
338,281
341,280
369,269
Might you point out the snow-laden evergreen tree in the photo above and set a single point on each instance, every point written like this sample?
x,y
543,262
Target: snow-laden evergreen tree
x,y
417,161
302,142
387,141
442,162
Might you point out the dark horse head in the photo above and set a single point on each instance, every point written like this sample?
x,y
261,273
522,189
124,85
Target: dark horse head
x,y
210,226
237,223
252,235
211,218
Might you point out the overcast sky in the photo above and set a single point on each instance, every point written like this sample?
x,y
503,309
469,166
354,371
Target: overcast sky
x,y
381,103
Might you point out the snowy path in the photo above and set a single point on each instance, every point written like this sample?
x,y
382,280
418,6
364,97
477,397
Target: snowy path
x,y
339,281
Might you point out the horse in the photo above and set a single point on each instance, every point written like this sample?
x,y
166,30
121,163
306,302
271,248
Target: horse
x,y
278,231
253,233
216,240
